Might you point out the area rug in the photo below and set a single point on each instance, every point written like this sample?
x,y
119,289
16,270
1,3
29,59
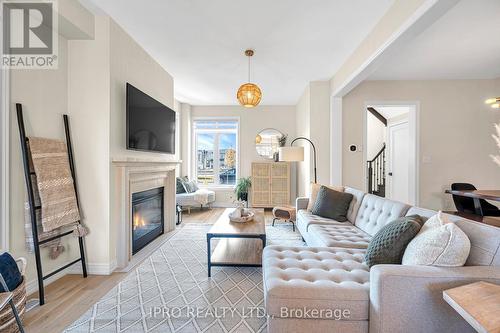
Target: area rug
x,y
170,291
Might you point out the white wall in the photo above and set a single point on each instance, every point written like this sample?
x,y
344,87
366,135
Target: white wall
x,y
185,156
455,133
43,94
89,102
303,120
252,121
89,85
313,122
130,63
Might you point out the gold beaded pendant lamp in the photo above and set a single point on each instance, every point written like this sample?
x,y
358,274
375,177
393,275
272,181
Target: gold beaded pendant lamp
x,y
249,94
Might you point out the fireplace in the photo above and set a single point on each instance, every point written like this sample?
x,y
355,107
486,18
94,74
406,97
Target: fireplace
x,y
147,217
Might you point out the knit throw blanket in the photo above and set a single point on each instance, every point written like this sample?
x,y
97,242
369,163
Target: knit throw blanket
x,y
54,182
201,196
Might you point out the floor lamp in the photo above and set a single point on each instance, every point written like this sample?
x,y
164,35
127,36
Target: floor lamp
x,y
296,154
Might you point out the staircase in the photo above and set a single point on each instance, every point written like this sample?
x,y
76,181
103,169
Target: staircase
x,y
376,174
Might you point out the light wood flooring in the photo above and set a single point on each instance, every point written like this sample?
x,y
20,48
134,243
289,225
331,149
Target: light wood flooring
x,y
70,296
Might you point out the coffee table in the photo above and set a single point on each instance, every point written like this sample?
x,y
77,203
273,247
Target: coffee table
x,y
240,244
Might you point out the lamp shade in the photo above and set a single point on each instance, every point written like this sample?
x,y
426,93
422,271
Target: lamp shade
x,y
249,95
291,154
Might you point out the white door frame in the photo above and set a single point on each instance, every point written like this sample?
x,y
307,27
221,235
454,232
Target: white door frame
x,y
414,129
389,168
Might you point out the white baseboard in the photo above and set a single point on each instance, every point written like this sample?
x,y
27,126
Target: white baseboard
x,y
92,269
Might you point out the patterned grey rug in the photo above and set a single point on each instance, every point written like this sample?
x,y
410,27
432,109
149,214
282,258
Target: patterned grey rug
x,y
170,291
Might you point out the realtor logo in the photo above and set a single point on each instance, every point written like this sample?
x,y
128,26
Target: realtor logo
x,y
29,34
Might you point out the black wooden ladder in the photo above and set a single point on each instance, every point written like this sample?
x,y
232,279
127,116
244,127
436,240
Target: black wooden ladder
x,y
33,208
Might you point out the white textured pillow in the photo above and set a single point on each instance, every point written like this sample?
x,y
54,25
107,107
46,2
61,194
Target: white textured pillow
x,y
439,243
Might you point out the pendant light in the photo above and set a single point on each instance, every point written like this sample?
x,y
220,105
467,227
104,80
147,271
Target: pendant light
x,y
249,94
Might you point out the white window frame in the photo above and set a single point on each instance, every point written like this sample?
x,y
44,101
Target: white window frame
x,y
4,154
194,171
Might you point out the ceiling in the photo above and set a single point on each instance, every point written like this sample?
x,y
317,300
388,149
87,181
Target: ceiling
x,y
390,112
201,43
463,44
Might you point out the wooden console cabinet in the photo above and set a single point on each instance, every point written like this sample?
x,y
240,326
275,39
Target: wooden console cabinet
x,y
270,184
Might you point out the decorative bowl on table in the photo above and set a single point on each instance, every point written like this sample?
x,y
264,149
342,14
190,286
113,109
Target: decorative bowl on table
x,y
241,216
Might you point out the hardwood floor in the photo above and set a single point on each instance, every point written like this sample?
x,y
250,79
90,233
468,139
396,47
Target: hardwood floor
x,y
70,296
66,300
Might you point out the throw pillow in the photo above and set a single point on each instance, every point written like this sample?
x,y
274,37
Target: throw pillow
x,y
439,243
314,193
179,184
190,186
389,244
332,204
10,272
193,186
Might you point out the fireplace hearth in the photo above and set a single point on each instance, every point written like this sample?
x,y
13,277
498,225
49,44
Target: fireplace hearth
x,y
147,217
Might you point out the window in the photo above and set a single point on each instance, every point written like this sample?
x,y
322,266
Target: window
x,y
216,149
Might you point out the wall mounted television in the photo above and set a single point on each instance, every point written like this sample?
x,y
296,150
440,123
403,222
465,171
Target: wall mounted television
x,y
150,124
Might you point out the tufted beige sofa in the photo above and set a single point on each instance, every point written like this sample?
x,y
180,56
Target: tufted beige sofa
x,y
326,287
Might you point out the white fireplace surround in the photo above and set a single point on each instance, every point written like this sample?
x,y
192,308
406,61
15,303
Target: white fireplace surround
x,y
132,176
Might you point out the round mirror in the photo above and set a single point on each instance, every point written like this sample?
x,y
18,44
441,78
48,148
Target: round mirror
x,y
268,141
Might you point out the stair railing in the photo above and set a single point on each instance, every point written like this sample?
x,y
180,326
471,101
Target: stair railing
x,y
376,174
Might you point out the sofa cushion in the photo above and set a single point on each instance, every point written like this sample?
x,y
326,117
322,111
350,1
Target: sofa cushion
x,y
341,235
332,204
375,212
314,193
316,278
439,243
484,241
389,244
305,219
424,213
357,198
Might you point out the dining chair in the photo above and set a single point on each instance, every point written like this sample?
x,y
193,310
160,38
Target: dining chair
x,y
466,205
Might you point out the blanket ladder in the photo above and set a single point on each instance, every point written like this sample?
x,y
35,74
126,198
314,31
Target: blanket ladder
x,y
33,208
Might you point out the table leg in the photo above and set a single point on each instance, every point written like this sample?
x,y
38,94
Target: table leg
x,y
209,256
477,207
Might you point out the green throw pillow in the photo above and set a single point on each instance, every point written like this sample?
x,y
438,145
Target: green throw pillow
x,y
389,244
332,204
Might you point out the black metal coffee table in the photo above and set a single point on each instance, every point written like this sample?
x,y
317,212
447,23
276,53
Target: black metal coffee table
x,y
240,244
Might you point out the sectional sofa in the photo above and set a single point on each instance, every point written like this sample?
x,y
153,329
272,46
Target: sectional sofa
x,y
327,287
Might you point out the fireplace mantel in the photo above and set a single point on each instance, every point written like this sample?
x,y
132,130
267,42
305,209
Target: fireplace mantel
x,y
129,161
134,175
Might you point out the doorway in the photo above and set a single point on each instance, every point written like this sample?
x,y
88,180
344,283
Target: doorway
x,y
391,151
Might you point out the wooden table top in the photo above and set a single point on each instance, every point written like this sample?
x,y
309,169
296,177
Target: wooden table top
x,y
478,303
253,228
480,194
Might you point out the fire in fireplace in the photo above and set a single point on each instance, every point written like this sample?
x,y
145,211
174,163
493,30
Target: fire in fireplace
x,y
147,217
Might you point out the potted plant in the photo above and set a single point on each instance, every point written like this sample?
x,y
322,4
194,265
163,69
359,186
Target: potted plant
x,y
242,188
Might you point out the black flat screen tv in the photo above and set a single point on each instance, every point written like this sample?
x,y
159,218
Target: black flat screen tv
x,y
150,124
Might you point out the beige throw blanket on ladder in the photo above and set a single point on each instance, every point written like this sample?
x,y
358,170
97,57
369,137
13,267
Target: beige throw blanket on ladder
x,y
55,183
